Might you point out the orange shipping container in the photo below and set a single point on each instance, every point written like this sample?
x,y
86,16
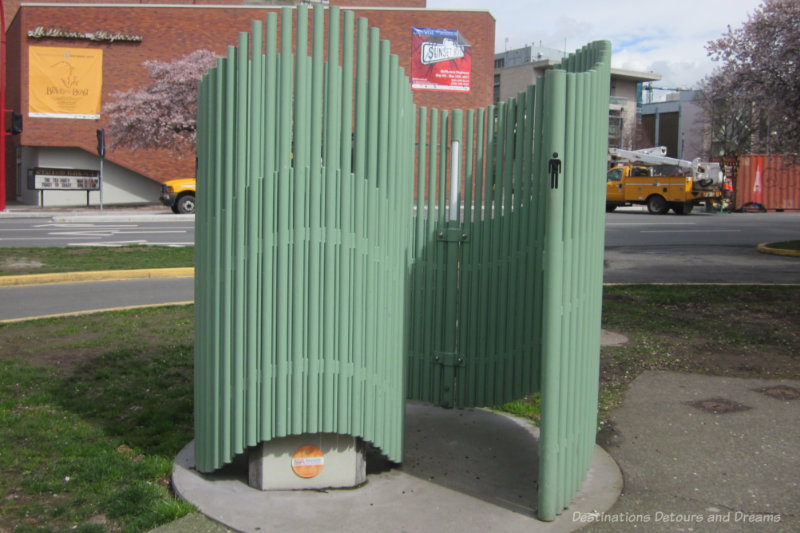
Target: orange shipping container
x,y
770,180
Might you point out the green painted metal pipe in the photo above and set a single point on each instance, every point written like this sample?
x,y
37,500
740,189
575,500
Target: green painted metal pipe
x,y
553,133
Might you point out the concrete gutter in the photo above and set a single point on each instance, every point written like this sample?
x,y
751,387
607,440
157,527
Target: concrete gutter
x,y
64,215
97,275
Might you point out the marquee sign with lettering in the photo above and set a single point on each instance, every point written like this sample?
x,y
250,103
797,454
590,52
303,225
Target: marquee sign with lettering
x,y
63,179
441,60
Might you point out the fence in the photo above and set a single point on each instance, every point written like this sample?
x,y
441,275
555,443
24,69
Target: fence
x,y
325,296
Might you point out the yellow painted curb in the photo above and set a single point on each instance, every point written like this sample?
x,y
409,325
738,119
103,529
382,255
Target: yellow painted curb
x,y
764,248
97,275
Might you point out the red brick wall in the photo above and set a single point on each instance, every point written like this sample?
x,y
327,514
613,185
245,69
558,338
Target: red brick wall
x,y
172,32
416,4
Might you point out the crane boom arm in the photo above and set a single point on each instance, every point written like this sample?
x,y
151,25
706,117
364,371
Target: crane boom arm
x,y
653,156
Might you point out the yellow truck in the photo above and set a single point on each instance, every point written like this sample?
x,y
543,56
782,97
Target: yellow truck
x,y
179,195
648,177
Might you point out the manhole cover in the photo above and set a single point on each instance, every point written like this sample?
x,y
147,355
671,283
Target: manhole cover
x,y
781,392
718,406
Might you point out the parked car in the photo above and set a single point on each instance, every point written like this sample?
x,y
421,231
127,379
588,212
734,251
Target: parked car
x,y
179,195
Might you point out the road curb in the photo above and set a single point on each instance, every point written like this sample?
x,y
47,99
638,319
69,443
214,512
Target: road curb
x,y
96,275
765,248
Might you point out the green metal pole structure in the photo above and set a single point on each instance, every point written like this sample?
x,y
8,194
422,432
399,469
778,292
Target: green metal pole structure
x,y
304,237
322,303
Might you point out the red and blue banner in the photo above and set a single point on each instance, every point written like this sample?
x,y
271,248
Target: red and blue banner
x,y
441,60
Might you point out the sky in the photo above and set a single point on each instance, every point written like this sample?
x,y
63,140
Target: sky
x,y
665,37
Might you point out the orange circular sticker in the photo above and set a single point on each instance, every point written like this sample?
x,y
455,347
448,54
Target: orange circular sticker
x,y
308,461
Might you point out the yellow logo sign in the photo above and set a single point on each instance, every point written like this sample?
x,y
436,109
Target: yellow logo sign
x,y
64,82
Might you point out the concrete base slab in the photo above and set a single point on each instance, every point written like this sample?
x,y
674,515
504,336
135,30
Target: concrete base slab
x,y
311,461
464,470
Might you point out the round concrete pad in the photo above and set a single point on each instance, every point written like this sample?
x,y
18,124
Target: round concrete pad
x,y
464,470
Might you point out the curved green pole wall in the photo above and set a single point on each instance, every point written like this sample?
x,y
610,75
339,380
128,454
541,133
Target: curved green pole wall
x,y
303,228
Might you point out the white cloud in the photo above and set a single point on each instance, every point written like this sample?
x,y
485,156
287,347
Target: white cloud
x,y
668,38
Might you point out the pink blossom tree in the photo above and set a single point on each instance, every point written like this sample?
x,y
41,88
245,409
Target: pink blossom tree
x,y
756,90
163,114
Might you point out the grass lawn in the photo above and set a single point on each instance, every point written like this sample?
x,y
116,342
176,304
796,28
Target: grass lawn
x,y
94,409
786,245
19,261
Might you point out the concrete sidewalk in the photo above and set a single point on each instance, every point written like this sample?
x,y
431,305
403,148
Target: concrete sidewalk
x,y
705,453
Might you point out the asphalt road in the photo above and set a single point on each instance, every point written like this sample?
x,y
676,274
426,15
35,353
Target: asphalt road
x,y
19,303
702,248
157,228
640,248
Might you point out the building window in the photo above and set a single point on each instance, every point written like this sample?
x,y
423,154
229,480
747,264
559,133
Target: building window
x,y
500,63
616,125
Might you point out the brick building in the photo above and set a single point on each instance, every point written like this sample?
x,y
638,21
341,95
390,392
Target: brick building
x,y
168,32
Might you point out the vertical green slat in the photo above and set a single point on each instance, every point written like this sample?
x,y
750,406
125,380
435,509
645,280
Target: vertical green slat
x,y
465,389
299,274
475,329
503,367
332,98
313,210
238,205
486,229
371,228
567,399
451,267
415,373
554,89
217,454
345,216
430,384
225,360
520,273
254,178
268,225
283,335
495,251
531,365
360,176
384,365
202,399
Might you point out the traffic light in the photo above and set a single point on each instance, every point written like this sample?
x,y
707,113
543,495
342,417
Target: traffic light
x,y
101,142
16,123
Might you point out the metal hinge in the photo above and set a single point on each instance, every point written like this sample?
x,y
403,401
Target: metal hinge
x,y
452,235
448,359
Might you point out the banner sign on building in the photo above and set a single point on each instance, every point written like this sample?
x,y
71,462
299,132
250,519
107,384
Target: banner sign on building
x,y
441,60
64,82
63,179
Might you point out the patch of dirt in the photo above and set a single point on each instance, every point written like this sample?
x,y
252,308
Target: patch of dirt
x,y
61,354
719,406
781,392
20,264
50,344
